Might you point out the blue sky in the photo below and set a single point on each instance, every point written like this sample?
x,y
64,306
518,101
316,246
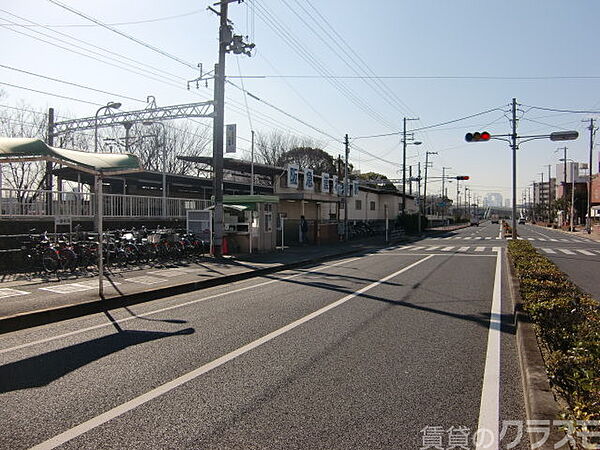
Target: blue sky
x,y
437,50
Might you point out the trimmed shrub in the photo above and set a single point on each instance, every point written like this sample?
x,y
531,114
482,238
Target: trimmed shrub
x,y
568,326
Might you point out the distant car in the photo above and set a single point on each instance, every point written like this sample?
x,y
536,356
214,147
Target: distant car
x,y
474,222
495,218
522,221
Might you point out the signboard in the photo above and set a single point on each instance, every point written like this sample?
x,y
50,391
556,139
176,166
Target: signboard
x,y
230,138
355,184
199,222
325,182
62,220
292,172
335,185
309,180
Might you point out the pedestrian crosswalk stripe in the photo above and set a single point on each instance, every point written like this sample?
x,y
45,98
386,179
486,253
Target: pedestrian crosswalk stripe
x,y
480,249
463,249
460,238
433,247
565,251
563,240
468,238
447,249
6,292
496,249
542,239
548,250
554,240
488,238
477,237
418,248
585,252
530,239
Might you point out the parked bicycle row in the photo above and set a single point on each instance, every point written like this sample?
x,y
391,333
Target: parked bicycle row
x,y
120,248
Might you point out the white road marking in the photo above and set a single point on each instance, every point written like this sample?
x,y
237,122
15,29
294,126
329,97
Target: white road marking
x,y
167,273
585,252
146,280
134,403
553,240
169,308
489,410
542,239
565,251
548,250
418,248
531,239
433,247
447,249
480,249
463,249
488,238
563,240
67,288
477,237
6,292
496,249
468,238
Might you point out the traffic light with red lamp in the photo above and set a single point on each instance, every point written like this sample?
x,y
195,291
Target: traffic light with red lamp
x,y
478,136
463,177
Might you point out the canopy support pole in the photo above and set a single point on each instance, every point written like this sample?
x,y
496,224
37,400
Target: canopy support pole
x,y
99,213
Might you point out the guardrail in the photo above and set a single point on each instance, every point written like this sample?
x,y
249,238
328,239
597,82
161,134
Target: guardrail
x,y
41,203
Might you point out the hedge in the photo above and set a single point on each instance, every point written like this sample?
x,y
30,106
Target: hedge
x,y
568,327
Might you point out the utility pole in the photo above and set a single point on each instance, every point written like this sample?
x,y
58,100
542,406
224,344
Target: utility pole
x,y
425,187
592,129
514,146
444,194
50,140
564,183
419,196
252,167
347,148
549,189
404,144
227,42
410,180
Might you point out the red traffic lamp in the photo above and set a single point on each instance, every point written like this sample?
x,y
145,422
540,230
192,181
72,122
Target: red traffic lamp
x,y
478,136
463,177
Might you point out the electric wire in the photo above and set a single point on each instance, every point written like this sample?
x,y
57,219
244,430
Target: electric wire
x,y
121,33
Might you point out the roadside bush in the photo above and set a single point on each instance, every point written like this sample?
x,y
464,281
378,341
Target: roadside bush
x,y
568,326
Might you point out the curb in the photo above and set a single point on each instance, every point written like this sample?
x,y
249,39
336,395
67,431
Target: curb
x,y
52,315
540,403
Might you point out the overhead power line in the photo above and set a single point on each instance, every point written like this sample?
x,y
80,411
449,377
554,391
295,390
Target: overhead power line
x,y
563,110
396,133
50,93
70,83
135,22
428,77
121,33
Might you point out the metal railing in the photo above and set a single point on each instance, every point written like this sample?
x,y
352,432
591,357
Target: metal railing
x,y
29,203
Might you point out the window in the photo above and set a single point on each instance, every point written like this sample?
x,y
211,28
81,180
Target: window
x,y
358,204
372,205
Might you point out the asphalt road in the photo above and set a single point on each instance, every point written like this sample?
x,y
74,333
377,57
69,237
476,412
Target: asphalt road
x,y
575,255
382,350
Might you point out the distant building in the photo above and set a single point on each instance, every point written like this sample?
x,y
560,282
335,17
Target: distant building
x,y
507,203
544,193
493,199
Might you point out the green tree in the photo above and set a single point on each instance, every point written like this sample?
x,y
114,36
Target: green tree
x,y
377,180
309,158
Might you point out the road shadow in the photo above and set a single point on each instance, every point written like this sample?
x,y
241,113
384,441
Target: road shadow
x,y
41,370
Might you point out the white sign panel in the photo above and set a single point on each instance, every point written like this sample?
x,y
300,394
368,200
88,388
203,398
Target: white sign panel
x,y
335,185
325,182
355,186
292,175
230,138
309,180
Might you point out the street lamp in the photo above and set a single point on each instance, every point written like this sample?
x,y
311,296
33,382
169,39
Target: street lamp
x,y
109,106
164,166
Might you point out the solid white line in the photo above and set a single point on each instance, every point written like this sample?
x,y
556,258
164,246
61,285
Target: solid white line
x,y
489,410
169,308
173,384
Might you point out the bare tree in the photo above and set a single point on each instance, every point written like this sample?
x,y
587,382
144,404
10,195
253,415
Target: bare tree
x,y
22,121
270,146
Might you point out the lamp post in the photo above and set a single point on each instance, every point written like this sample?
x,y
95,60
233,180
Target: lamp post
x,y
164,165
109,106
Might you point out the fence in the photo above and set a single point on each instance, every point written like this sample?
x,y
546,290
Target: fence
x,y
29,203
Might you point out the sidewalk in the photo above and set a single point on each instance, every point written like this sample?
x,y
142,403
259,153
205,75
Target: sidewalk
x,y
26,303
594,236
